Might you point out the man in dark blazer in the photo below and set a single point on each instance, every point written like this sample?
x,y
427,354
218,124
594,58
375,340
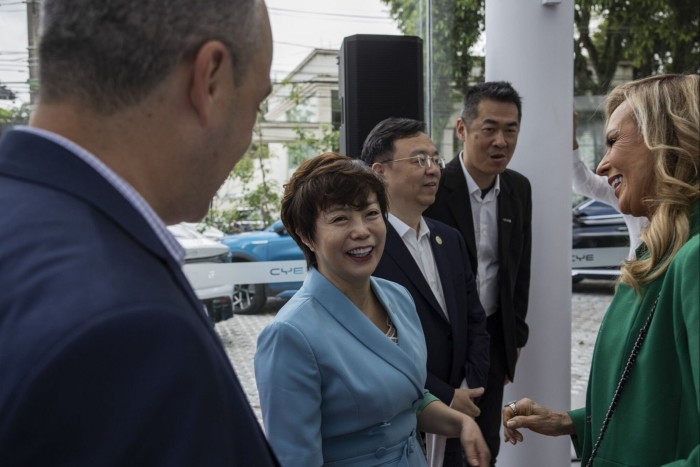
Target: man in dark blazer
x,y
491,206
106,355
430,259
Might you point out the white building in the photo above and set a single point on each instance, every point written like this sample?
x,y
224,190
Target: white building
x,y
305,103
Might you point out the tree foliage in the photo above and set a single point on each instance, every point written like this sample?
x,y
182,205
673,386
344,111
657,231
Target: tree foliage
x,y
307,144
261,202
256,203
652,36
456,26
18,115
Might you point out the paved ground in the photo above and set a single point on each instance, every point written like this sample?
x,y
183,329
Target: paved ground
x,y
589,301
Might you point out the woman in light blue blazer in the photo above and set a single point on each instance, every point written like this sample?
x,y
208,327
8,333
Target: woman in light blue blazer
x,y
341,370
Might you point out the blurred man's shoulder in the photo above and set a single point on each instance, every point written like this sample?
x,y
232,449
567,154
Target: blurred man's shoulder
x,y
515,177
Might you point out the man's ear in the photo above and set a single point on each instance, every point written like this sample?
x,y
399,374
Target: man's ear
x,y
378,167
211,73
461,129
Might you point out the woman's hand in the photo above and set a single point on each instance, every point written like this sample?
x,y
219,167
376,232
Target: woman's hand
x,y
475,447
529,414
438,418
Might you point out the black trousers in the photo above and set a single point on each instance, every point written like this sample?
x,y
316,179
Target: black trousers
x,y
491,402
454,458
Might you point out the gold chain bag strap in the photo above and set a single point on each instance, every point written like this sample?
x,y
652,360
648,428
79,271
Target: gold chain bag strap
x,y
623,379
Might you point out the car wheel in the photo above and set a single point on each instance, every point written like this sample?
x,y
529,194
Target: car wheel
x,y
248,298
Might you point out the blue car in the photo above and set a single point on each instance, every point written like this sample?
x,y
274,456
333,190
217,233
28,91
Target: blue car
x,y
270,244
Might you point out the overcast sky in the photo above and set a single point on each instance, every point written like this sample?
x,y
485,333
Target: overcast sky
x,y
297,27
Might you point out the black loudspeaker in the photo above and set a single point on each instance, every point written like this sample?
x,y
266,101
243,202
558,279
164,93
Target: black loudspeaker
x,y
379,77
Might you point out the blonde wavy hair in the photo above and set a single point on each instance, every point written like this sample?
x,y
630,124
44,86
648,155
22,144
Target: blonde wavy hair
x,y
666,109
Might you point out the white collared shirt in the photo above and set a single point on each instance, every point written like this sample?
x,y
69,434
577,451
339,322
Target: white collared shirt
x,y
485,217
418,244
122,186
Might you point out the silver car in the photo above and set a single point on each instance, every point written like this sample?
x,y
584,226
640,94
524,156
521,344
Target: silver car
x,y
600,241
214,295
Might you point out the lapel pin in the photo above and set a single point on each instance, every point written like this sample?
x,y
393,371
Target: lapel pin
x,y
438,240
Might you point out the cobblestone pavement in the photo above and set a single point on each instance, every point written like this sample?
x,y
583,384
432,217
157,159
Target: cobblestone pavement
x,y
589,301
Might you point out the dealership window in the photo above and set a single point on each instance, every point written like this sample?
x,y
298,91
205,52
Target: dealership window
x,y
304,26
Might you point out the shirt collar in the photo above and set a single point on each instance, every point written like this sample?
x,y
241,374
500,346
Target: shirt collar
x,y
122,186
403,229
471,184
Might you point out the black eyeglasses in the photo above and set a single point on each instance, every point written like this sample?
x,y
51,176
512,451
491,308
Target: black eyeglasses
x,y
423,160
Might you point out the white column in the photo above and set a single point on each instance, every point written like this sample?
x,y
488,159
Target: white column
x,y
530,44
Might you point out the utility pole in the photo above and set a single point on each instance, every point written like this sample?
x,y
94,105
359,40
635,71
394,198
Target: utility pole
x,y
33,20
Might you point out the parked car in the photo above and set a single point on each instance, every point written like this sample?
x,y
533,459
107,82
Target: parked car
x,y
270,244
216,297
208,231
600,241
600,244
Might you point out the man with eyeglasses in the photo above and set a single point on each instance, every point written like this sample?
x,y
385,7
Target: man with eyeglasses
x,y
430,259
491,206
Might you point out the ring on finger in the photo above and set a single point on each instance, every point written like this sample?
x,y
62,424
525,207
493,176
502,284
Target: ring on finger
x,y
513,407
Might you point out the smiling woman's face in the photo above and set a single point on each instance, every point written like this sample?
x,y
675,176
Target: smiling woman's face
x,y
628,163
349,243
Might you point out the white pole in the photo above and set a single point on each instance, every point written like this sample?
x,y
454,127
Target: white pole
x,y
530,44
33,23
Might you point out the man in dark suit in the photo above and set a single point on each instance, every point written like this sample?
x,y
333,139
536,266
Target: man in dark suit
x,y
430,259
106,355
491,206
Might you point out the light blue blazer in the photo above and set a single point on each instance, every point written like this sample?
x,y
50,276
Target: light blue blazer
x,y
334,390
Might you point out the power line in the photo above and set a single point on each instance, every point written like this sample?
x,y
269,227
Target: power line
x,y
327,14
295,45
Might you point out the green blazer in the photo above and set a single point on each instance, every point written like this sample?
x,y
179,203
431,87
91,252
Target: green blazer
x,y
657,419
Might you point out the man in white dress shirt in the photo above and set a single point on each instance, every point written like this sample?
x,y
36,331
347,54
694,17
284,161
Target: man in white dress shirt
x,y
430,259
491,206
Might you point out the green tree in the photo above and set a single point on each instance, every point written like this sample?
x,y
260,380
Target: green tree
x,y
653,36
456,27
261,202
306,143
256,203
14,116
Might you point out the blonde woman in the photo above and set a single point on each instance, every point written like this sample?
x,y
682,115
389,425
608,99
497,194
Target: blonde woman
x,y
644,389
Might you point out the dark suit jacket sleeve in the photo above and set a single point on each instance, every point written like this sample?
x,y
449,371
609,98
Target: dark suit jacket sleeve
x,y
149,385
478,340
439,388
521,290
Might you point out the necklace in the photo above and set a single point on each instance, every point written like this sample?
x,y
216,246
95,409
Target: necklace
x,y
391,331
